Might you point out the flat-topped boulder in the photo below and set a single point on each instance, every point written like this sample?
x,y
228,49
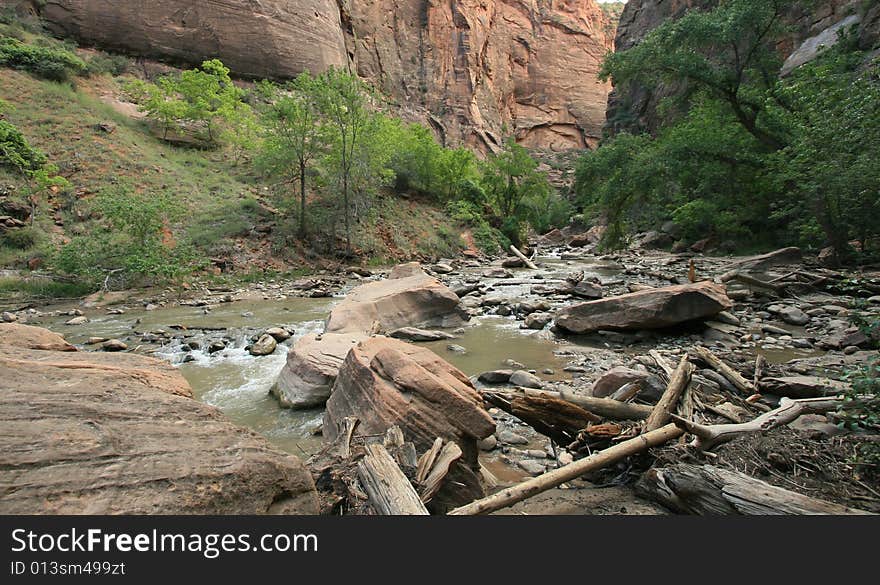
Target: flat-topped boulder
x,y
310,371
98,433
30,337
646,309
408,298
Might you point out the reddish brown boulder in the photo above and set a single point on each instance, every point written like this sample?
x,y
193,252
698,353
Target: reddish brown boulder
x,y
29,337
98,433
647,309
408,298
312,364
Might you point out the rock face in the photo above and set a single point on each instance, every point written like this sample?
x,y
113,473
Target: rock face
x,y
476,66
386,305
94,433
311,368
647,309
386,382
258,39
468,68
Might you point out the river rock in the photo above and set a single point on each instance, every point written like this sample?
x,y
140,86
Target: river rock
x,y
442,268
802,386
408,298
310,370
8,317
416,334
77,321
455,348
30,337
793,316
761,263
497,273
587,290
512,262
114,345
385,382
525,379
649,309
538,320
512,438
495,377
279,334
612,380
264,346
93,433
216,345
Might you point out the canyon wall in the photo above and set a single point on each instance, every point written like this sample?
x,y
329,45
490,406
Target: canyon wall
x,y
475,70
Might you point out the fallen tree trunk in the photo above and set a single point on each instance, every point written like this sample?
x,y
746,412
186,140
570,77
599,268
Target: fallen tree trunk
x,y
551,479
710,491
389,490
609,408
553,417
679,380
522,257
729,373
751,281
709,436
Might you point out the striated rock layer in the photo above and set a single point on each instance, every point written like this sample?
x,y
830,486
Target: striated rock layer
x,y
95,433
475,70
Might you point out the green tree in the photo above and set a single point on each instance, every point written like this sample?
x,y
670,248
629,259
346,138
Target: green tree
x,y
204,96
344,100
294,137
509,177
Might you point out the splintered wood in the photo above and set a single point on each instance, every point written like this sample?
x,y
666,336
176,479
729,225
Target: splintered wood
x,y
389,490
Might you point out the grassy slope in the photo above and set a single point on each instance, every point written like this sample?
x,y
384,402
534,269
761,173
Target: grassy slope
x,y
225,200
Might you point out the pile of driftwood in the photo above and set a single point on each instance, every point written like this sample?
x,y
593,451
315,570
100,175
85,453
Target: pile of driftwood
x,y
611,429
385,475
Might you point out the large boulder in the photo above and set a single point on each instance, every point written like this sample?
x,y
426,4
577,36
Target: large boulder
x,y
761,263
310,371
30,337
385,382
97,433
408,298
647,309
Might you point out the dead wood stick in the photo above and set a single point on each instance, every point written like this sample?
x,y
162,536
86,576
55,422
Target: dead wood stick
x,y
390,492
554,478
679,380
709,436
708,490
556,418
760,366
343,441
664,363
448,455
751,281
522,257
626,392
719,366
426,461
608,408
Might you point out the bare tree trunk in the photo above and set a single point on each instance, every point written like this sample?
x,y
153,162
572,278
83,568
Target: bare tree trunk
x,y
302,198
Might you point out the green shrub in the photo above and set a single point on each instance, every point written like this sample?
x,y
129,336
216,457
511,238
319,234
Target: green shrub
x,y
102,63
20,239
16,152
53,63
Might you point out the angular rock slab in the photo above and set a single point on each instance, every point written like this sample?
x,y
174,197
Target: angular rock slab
x,y
95,433
310,371
647,309
409,298
385,382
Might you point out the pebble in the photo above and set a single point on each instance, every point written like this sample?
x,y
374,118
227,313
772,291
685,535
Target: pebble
x,y
512,438
114,345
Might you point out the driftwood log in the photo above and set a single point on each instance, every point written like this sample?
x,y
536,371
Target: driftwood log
x,y
729,373
430,476
752,282
706,490
552,479
553,417
608,408
678,381
389,490
709,436
522,257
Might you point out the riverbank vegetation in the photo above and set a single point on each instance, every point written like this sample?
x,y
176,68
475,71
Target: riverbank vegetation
x,y
148,173
744,155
